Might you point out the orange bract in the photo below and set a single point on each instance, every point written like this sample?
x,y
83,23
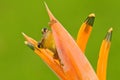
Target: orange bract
x,y
70,54
73,64
47,56
103,56
85,31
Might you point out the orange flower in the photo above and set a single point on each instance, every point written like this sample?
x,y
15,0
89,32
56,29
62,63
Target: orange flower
x,y
84,32
73,64
103,56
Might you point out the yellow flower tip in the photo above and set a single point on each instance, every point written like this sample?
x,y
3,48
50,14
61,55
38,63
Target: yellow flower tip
x,y
29,45
52,18
26,42
108,36
90,19
92,15
110,30
25,36
29,40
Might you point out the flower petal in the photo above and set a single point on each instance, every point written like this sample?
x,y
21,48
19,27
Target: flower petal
x,y
47,56
103,56
74,61
85,31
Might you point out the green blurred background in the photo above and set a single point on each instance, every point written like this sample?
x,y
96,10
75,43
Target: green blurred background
x,y
18,62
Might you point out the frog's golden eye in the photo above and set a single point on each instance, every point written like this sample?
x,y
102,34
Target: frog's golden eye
x,y
44,30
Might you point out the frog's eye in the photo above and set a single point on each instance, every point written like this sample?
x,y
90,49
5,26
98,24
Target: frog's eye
x,y
39,45
44,30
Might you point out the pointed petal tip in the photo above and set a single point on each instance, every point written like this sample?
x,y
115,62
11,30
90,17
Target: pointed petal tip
x,y
25,36
49,12
46,5
23,33
26,42
110,30
90,19
108,36
91,15
29,45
